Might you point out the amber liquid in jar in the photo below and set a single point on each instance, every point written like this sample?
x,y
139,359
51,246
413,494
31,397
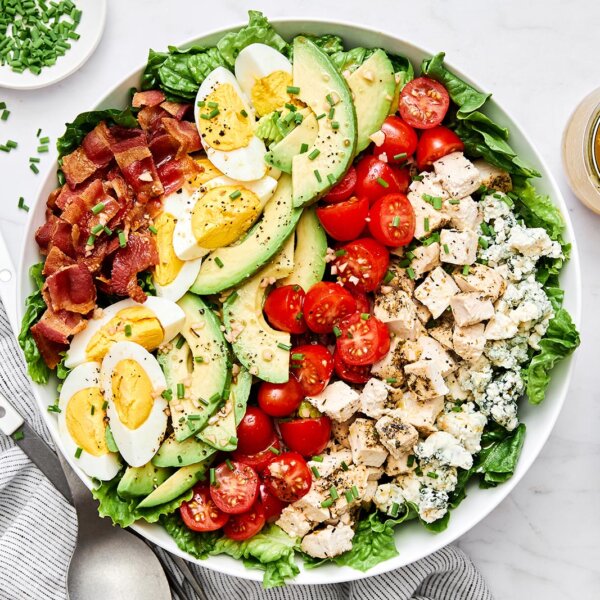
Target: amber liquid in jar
x,y
595,153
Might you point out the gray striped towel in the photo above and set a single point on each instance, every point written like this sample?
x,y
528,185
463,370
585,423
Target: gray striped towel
x,y
38,531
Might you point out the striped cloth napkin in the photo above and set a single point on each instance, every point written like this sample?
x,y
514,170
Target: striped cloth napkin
x,y
38,531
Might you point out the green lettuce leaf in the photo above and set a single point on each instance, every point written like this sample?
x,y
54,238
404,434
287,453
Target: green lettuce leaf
x,y
258,30
561,339
403,69
537,210
499,455
198,545
329,43
34,309
124,512
351,60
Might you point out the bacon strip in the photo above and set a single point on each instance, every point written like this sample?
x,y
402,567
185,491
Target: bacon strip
x,y
150,118
58,326
96,145
77,167
147,98
56,260
55,232
176,172
49,350
186,134
70,288
176,109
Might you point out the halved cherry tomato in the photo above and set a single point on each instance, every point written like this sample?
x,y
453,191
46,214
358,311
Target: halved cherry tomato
x,y
344,220
244,526
343,190
435,144
424,103
326,303
201,513
350,373
402,176
255,431
283,308
363,304
392,220
261,459
400,140
312,364
362,264
374,179
271,504
306,436
288,477
363,339
235,488
280,399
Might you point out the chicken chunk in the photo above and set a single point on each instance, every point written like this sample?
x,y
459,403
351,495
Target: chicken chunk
x,y
425,259
469,308
401,465
421,414
493,177
331,462
373,398
463,213
428,184
294,522
338,401
398,311
436,291
365,445
469,341
457,174
400,279
389,368
311,506
396,435
423,313
340,431
442,331
425,380
500,327
458,247
482,279
328,542
427,348
427,218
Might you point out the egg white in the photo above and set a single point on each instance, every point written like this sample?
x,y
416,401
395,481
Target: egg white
x,y
169,314
105,467
243,164
184,241
137,446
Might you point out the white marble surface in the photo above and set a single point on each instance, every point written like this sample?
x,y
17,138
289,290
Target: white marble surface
x,y
539,57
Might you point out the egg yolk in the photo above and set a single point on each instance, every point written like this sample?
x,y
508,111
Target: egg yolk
x,y
218,219
85,421
134,324
169,264
133,394
270,93
207,171
221,122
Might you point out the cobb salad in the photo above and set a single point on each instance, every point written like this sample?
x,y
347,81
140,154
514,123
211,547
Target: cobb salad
x,y
293,296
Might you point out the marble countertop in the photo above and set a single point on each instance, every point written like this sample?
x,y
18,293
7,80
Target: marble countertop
x,y
539,58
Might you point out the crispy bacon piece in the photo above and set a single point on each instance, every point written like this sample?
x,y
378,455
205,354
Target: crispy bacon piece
x,y
49,350
56,260
176,172
139,254
186,134
150,117
58,326
176,109
147,98
70,288
77,167
96,145
164,147
55,232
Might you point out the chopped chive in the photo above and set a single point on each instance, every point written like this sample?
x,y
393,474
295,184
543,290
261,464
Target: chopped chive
x,y
42,149
432,474
78,452
34,168
292,89
454,201
232,296
214,398
179,459
284,346
321,116
486,229
391,380
327,503
235,194
107,230
330,99
394,509
5,115
299,316
388,276
11,144
337,331
426,223
298,118
355,492
331,178
317,458
180,390
219,262
104,405
153,229
396,221
53,408
303,148
22,204
341,252
400,156
92,410
128,330
91,240
213,105
382,182
4,148
98,208
417,177
167,394
465,270
410,272
410,461
243,112
334,493
317,175
314,154
437,203
33,159
274,450
315,472
39,131
229,464
2,105
18,435
446,249
365,316
290,107
45,140
345,467
122,239
180,342
212,476
483,243
335,125
203,401
331,113
201,104
198,359
297,356
194,417
233,440
96,229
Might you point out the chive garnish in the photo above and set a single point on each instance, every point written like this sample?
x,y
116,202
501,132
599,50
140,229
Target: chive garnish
x,y
274,450
5,114
212,476
42,149
454,201
365,316
180,342
91,240
292,89
229,464
349,497
483,243
53,408
446,249
317,458
345,467
315,472
394,509
303,148
318,175
355,492
122,239
426,223
22,204
167,394
337,331
396,221
104,405
400,156
34,168
314,154
233,440
331,112
388,276
201,104
180,390
235,194
219,262
335,125
11,144
382,182
327,503
465,270
321,116
432,474
331,178
334,493
297,356
98,208
128,330
198,359
410,272
284,346
96,229
153,229
45,140
78,452
410,461
92,410
341,252
391,380
213,105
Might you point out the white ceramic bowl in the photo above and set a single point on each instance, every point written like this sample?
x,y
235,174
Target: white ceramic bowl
x,y
413,541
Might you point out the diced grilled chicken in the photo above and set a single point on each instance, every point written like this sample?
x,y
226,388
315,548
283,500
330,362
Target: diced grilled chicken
x,y
457,174
493,177
458,247
396,435
364,441
328,542
469,308
436,291
469,341
482,279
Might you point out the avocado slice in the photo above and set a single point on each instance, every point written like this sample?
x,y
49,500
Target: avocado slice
x,y
323,88
181,454
203,361
260,348
282,153
258,247
310,252
141,481
372,86
181,481
222,434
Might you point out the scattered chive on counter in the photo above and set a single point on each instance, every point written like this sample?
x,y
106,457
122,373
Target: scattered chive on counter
x,y
35,33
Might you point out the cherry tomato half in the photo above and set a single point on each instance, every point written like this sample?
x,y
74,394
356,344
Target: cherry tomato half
x,y
362,264
400,140
255,431
283,308
392,220
244,526
280,399
261,459
363,304
435,144
271,504
288,477
343,190
201,513
326,303
235,488
312,364
403,179
344,220
363,340
350,373
374,179
424,103
306,436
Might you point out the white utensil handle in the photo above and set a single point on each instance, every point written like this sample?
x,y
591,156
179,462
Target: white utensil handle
x,y
8,286
10,419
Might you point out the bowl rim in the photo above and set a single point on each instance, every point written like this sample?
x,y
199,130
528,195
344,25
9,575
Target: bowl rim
x,y
227,565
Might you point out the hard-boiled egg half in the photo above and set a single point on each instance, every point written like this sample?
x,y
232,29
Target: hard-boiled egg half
x,y
81,423
151,324
132,382
264,74
226,122
219,213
